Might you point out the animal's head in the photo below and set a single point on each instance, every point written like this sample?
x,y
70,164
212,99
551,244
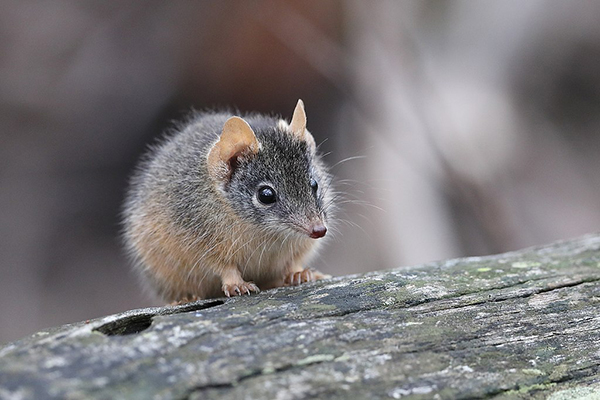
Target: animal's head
x,y
272,175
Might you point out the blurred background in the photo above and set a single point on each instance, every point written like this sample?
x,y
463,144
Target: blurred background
x,y
456,128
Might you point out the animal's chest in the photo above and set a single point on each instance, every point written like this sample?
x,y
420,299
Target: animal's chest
x,y
271,255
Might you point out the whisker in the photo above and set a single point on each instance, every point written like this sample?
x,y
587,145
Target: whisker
x,y
346,160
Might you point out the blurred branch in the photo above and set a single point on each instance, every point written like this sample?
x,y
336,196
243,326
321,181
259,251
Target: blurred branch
x,y
330,60
303,37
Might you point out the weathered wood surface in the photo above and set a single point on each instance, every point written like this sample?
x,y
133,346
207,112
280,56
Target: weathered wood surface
x,y
516,325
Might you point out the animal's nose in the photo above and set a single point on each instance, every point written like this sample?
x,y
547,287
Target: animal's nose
x,y
318,231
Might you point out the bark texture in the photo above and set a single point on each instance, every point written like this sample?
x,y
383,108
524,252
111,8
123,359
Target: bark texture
x,y
517,325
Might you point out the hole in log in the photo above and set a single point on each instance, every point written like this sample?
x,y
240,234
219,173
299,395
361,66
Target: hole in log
x,y
194,307
127,325
132,324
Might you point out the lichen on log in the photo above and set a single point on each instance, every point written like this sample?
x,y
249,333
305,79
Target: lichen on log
x,y
524,324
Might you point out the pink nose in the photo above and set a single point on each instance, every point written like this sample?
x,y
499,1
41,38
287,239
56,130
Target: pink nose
x,y
318,231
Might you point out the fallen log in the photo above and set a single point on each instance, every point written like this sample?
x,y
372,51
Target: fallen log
x,y
524,324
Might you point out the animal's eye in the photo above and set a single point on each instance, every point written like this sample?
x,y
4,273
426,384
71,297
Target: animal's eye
x,y
266,195
314,185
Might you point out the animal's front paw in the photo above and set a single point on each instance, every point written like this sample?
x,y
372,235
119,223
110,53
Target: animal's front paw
x,y
306,275
239,289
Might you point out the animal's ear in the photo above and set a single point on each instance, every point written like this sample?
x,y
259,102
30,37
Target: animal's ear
x,y
237,141
298,126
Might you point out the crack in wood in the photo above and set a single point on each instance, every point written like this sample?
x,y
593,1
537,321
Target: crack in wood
x,y
239,380
537,387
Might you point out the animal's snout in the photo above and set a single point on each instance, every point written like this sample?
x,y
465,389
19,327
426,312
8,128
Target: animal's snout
x,y
318,231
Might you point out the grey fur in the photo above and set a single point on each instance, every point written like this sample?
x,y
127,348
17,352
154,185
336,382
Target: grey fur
x,y
172,184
